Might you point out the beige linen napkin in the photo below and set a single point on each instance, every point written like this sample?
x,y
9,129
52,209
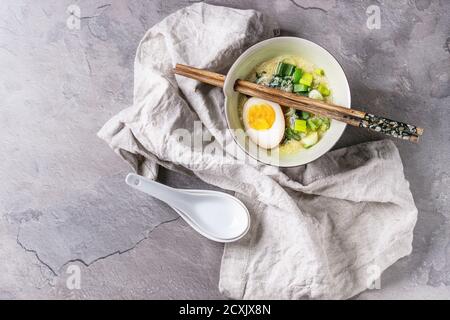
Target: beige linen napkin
x,y
324,230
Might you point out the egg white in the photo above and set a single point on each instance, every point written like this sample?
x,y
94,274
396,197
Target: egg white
x,y
269,138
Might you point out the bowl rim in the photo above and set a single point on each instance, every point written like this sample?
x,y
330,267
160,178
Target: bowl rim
x,y
258,46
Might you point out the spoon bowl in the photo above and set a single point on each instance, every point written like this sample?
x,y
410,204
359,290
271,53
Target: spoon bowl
x,y
216,215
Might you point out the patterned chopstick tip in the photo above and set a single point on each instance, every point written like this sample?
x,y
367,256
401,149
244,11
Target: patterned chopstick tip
x,y
390,127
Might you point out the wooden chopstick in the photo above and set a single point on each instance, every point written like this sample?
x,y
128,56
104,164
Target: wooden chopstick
x,y
218,80
350,116
250,85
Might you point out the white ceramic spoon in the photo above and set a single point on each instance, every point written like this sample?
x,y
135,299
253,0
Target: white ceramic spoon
x,y
216,215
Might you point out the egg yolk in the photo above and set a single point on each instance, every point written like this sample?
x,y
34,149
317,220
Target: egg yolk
x,y
261,116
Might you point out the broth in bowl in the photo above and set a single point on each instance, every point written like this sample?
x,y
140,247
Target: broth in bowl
x,y
271,126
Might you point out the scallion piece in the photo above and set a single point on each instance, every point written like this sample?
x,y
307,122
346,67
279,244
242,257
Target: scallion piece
x,y
305,115
323,89
284,69
297,75
319,72
323,127
306,79
300,88
311,124
310,140
290,69
300,125
290,134
279,69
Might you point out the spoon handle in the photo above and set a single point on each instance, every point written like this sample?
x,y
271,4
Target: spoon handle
x,y
158,190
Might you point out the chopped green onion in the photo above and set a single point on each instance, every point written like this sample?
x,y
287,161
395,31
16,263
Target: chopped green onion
x,y
290,69
305,115
323,89
323,127
297,75
291,134
325,124
318,121
315,94
284,69
319,72
300,88
310,140
279,69
312,125
306,79
300,125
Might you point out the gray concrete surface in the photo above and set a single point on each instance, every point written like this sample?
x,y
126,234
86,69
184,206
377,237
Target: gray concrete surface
x,y
62,199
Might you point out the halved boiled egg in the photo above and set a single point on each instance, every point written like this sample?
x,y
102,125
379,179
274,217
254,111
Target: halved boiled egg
x,y
263,122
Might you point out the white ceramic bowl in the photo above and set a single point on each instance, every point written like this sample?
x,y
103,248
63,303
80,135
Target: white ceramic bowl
x,y
268,49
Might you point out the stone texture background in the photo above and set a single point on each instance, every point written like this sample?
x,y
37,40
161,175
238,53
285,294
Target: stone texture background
x,y
62,197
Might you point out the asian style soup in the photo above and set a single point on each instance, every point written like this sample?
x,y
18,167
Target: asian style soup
x,y
267,123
